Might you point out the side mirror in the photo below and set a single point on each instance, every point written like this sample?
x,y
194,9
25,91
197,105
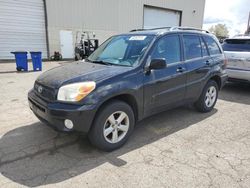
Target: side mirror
x,y
157,64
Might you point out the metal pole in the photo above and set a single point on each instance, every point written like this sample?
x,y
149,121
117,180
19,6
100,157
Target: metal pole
x,y
248,24
46,27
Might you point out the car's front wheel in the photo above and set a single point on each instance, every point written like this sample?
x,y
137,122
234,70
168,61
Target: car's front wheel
x,y
112,126
208,98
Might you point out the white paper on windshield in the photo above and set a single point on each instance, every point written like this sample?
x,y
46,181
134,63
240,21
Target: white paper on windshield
x,y
137,38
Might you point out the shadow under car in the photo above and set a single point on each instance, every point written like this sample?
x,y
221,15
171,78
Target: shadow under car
x,y
36,155
236,92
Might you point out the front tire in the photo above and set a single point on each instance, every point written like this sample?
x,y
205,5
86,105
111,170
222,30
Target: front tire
x,y
112,126
208,98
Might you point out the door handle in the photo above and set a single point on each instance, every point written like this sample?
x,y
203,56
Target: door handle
x,y
180,69
208,62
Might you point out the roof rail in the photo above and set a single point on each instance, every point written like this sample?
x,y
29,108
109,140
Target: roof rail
x,y
188,28
133,30
157,28
172,29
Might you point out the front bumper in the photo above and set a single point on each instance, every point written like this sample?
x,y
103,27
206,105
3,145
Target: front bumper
x,y
54,114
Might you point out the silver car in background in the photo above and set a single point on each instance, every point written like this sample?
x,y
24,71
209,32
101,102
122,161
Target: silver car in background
x,y
237,51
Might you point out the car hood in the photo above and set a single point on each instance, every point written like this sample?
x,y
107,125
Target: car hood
x,y
79,72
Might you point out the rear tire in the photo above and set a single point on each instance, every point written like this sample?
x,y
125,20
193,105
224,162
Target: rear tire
x,y
208,98
112,126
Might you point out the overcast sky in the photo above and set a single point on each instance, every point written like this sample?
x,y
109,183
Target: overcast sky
x,y
233,13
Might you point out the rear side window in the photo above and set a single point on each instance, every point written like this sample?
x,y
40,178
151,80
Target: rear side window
x,y
236,45
168,47
192,46
212,45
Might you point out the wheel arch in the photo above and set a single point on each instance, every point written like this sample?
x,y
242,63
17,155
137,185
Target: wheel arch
x,y
127,98
217,79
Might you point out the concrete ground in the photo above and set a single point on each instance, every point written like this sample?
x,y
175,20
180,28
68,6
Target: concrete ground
x,y
177,148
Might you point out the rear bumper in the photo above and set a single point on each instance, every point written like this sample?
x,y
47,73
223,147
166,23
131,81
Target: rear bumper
x,y
54,114
238,74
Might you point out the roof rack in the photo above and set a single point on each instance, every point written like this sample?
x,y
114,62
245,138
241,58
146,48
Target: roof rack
x,y
150,29
172,29
134,30
188,28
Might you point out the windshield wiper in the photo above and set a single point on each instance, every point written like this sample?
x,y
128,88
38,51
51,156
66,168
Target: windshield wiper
x,y
106,63
101,62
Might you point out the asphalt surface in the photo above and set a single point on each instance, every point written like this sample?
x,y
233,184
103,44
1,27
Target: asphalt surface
x,y
177,148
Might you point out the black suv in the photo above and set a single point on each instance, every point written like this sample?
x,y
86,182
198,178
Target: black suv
x,y
130,77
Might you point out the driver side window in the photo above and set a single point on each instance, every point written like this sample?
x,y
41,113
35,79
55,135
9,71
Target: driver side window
x,y
168,47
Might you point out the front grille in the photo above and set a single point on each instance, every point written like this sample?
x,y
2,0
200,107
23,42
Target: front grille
x,y
47,93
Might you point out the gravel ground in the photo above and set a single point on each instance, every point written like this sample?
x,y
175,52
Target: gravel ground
x,y
177,148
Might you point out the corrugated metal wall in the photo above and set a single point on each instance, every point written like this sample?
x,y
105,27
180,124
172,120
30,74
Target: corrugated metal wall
x,y
22,27
108,17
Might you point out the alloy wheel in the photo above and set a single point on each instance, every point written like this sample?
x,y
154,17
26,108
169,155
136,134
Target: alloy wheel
x,y
116,127
210,96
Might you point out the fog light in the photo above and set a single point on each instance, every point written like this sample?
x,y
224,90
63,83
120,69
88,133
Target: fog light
x,y
68,123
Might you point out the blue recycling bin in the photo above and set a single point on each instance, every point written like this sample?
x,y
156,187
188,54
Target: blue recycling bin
x,y
21,61
36,60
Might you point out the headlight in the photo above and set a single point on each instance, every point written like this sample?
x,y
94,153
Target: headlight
x,y
75,92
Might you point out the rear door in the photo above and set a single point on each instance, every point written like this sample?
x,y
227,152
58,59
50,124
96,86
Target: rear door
x,y
214,50
165,88
198,63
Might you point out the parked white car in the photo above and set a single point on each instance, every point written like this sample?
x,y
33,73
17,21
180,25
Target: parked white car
x,y
237,51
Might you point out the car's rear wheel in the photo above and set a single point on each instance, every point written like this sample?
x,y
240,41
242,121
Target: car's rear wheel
x,y
113,125
208,98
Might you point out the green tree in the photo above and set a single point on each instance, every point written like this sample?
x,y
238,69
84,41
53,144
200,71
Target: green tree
x,y
219,30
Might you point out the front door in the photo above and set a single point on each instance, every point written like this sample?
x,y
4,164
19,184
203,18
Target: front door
x,y
66,41
165,88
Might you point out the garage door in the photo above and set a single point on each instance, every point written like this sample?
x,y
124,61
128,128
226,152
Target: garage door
x,y
158,17
22,27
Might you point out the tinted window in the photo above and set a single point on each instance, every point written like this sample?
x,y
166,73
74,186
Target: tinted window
x,y
212,46
204,48
236,45
168,47
192,46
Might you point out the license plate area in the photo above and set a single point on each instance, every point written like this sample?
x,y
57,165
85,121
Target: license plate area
x,y
35,107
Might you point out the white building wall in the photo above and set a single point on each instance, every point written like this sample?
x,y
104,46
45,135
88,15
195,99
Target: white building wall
x,y
109,17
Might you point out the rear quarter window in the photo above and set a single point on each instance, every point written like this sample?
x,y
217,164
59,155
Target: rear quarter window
x,y
213,47
236,45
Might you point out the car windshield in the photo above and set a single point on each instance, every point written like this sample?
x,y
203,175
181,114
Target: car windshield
x,y
123,50
236,45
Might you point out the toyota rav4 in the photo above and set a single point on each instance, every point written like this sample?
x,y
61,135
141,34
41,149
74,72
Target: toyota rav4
x,y
128,78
